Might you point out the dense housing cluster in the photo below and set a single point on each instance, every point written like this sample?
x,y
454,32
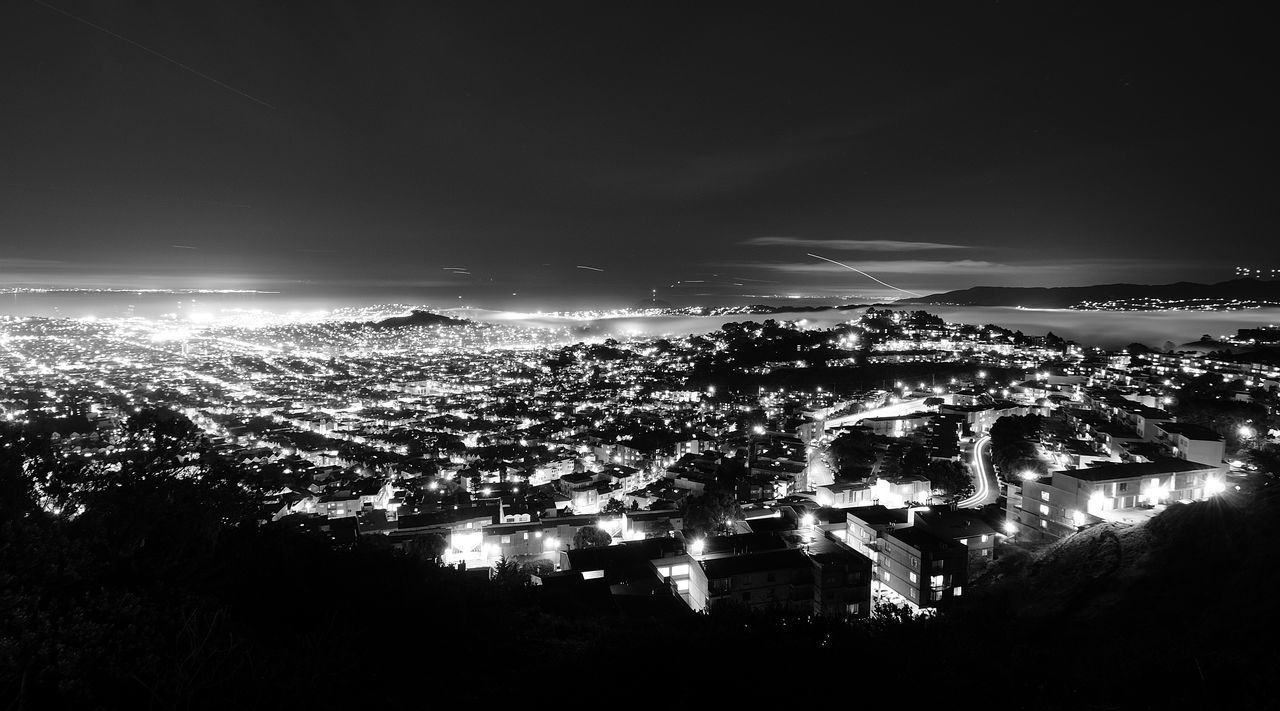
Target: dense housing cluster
x,y
768,465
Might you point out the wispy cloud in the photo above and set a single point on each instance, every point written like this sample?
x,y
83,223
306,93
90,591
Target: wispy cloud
x,y
20,263
851,245
892,266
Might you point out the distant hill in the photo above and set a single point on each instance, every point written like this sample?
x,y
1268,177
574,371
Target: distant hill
x,y
1237,293
419,318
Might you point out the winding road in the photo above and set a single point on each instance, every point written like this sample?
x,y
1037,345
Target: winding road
x,y
986,489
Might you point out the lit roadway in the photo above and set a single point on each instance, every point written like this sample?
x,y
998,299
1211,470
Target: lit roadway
x,y
986,490
906,407
818,471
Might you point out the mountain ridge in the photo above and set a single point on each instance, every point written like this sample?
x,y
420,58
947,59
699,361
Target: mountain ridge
x,y
1237,293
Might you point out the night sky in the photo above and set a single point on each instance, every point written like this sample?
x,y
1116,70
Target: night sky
x,y
701,151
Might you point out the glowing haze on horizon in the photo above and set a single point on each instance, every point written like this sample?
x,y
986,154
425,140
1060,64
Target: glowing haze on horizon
x,y
581,155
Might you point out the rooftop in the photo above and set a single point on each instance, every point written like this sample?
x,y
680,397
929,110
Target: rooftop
x,y
1135,470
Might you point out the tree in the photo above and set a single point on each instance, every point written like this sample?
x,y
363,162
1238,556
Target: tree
x,y
915,460
1266,458
508,573
712,513
591,537
851,451
613,506
429,547
538,567
950,477
1012,445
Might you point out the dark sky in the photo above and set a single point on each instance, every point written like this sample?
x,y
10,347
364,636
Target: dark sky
x,y
702,151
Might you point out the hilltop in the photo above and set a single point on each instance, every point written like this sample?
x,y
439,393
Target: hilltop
x,y
419,318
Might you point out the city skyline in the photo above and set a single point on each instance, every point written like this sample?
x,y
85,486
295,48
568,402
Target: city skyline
x,y
451,354
573,154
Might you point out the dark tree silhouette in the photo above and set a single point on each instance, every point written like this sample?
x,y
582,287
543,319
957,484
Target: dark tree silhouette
x,y
591,537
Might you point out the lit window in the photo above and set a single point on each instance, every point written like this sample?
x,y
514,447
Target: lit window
x,y
885,575
682,584
664,572
984,538
526,535
1044,524
682,569
1044,510
1044,495
506,539
956,591
914,577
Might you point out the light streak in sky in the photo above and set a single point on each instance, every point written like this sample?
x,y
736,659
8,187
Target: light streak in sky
x,y
846,266
148,50
594,269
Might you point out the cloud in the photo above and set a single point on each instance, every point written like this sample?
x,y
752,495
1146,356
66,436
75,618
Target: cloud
x,y
892,266
851,245
24,263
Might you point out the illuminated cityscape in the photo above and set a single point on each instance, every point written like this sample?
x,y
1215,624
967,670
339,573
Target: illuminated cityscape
x,y
410,354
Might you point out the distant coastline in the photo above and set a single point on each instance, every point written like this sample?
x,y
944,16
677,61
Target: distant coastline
x,y
1231,295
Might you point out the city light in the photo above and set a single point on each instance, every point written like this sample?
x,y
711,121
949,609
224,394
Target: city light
x,y
464,431
1097,502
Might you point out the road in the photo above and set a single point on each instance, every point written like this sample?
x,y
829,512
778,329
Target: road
x,y
906,407
817,472
986,488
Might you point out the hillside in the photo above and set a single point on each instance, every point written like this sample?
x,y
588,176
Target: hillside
x,y
1236,293
1178,602
165,591
419,318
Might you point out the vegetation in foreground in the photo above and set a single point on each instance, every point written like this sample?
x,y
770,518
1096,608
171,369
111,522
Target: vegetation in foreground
x,y
152,585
